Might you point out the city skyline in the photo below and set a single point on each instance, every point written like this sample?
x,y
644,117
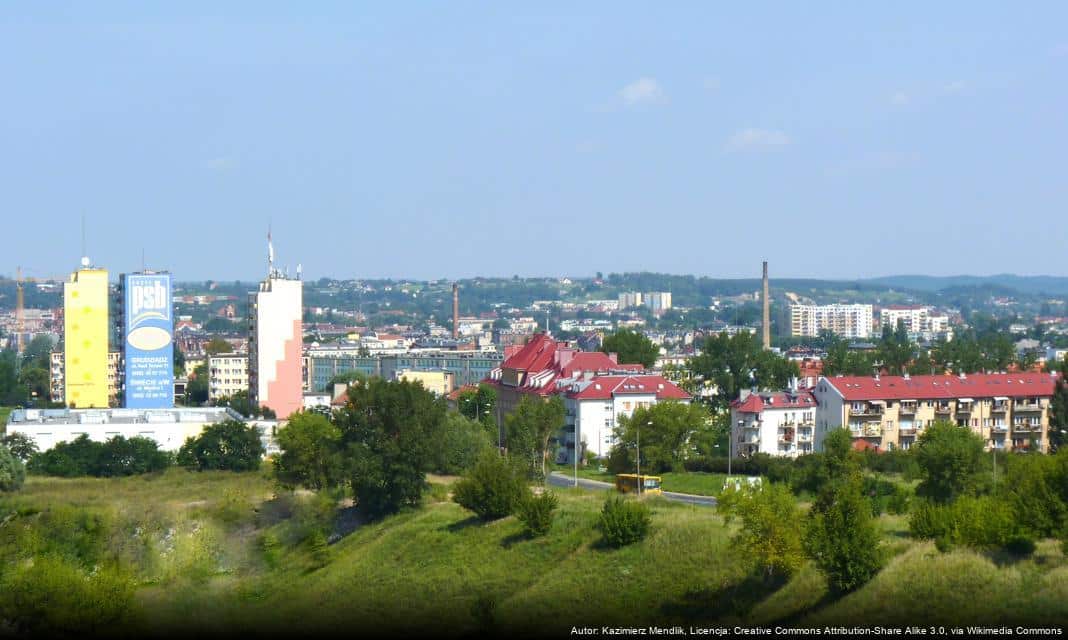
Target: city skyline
x,y
448,142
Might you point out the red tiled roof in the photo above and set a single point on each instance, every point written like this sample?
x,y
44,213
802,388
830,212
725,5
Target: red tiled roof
x,y
455,393
605,387
860,444
757,402
534,356
979,385
595,361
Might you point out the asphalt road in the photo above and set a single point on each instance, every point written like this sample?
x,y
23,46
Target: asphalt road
x,y
558,479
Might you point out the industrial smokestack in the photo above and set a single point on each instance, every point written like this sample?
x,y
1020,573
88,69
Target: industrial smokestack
x,y
455,311
767,310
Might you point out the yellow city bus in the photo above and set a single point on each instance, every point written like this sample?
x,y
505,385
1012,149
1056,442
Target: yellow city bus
x,y
628,483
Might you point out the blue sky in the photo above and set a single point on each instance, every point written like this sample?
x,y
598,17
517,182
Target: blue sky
x,y
455,139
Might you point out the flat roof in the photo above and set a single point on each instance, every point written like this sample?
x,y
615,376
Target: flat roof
x,y
122,416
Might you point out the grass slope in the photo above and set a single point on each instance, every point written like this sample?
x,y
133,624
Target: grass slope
x,y
194,546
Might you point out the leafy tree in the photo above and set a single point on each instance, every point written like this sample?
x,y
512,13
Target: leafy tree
x,y
462,442
351,378
665,430
739,362
196,390
839,458
12,471
391,430
37,382
217,345
841,535
226,446
631,347
121,456
79,457
529,430
1058,414
895,350
38,353
481,405
493,488
311,453
841,360
949,457
770,537
19,444
1037,489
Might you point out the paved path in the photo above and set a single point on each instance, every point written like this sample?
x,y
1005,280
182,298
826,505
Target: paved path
x,y
559,479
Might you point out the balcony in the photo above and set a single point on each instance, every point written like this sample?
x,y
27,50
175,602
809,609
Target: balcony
x,y
786,435
944,409
907,408
804,435
1027,406
964,407
869,430
999,428
907,431
867,410
1024,427
1000,407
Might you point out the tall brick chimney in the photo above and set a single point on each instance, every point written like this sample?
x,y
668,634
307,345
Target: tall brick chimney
x,y
767,310
455,311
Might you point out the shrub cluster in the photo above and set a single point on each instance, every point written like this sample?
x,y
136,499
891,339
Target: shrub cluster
x,y
118,456
623,521
492,489
12,471
536,513
982,522
226,446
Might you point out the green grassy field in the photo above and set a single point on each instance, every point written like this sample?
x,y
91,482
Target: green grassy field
x,y
220,552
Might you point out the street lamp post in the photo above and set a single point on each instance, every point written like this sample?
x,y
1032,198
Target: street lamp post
x,y
638,454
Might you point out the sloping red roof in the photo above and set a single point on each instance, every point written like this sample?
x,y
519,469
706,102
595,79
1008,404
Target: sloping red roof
x,y
455,393
979,385
534,356
605,387
757,402
860,444
595,361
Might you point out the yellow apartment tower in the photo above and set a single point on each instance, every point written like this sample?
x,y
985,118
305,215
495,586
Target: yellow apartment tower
x,y
85,338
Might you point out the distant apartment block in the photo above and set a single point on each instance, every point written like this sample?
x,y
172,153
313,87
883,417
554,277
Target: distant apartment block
x,y
1010,411
919,321
845,320
328,361
658,301
440,383
630,299
227,374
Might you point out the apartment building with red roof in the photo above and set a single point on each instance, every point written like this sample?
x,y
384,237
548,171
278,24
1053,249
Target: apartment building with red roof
x,y
1010,411
596,390
778,423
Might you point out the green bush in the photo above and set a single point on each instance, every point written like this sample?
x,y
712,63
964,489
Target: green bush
x,y
1021,545
770,538
462,442
623,521
842,538
982,523
537,512
492,489
12,471
119,456
899,502
53,597
225,446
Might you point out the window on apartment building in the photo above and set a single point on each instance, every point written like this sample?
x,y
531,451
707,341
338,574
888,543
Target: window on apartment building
x,y
1035,421
975,422
626,406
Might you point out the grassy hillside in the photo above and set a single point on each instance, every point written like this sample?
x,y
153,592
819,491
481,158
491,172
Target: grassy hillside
x,y
218,552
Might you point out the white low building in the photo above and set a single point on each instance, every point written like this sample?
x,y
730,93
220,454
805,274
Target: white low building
x,y
780,423
593,406
168,427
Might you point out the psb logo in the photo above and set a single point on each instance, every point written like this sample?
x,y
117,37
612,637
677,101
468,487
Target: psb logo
x,y
149,300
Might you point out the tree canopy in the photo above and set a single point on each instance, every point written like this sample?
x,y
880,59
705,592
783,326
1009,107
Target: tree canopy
x,y
529,430
667,432
739,362
631,347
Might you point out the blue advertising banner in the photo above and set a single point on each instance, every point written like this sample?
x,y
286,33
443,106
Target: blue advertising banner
x,y
149,342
